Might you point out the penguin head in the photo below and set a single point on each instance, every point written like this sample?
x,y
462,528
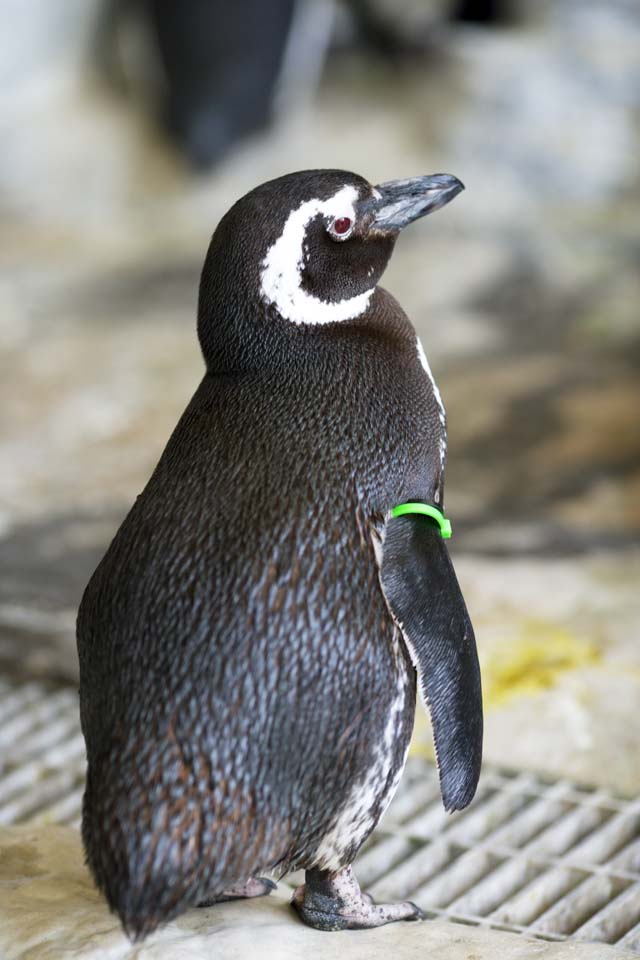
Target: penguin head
x,y
309,248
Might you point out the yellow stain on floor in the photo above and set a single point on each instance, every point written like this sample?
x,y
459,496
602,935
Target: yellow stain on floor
x,y
533,661
529,662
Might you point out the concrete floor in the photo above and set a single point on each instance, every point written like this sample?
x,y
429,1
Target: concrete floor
x,y
50,908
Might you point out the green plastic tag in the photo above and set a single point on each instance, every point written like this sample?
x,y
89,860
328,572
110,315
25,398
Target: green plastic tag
x,y
428,511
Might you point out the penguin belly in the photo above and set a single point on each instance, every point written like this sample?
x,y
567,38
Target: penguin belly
x,y
369,796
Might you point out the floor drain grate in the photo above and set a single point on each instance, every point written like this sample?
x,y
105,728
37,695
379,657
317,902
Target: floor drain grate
x,y
42,757
546,859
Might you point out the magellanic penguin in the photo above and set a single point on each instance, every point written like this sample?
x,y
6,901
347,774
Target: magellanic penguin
x,y
250,642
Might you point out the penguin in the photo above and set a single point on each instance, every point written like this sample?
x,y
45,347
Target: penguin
x,y
221,64
251,643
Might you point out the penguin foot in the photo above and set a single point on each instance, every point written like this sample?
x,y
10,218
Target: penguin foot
x,y
334,901
253,887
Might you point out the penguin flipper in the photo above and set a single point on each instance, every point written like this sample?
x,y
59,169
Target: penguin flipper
x,y
425,600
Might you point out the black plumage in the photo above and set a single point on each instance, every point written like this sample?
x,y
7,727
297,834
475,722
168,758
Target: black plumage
x,y
246,695
221,63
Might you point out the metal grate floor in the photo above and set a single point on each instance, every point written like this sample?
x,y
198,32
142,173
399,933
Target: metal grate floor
x,y
546,859
42,759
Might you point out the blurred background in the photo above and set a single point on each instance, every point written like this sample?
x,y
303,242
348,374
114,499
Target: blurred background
x,y
128,128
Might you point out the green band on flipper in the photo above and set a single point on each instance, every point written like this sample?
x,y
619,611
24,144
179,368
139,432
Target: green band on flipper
x,y
428,511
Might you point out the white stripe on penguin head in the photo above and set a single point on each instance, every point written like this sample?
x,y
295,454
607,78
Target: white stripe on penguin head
x,y
281,275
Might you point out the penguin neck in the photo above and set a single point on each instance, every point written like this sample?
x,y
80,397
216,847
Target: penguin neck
x,y
249,336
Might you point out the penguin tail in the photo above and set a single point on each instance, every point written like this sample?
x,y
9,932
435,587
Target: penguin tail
x,y
142,848
159,838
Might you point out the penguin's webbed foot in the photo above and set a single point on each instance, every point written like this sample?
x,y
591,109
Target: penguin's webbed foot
x,y
334,901
253,887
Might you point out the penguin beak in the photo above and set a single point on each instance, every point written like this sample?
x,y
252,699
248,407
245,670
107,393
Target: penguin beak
x,y
400,202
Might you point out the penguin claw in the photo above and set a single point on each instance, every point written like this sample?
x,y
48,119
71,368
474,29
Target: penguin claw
x,y
335,902
253,887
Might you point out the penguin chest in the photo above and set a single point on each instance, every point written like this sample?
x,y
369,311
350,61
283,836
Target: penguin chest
x,y
370,795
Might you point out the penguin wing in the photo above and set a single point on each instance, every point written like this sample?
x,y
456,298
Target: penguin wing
x,y
425,600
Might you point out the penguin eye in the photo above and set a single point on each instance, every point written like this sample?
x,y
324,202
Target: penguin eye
x,y
341,228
